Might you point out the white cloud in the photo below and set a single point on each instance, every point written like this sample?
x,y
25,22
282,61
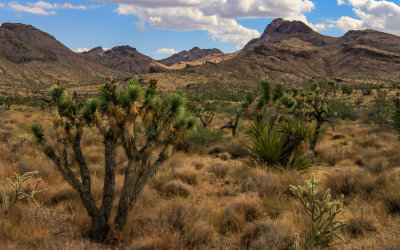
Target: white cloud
x,y
346,23
380,15
44,8
80,50
1,5
166,51
218,17
341,2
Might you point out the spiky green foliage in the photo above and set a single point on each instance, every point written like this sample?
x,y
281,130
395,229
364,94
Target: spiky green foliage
x,y
277,148
313,106
123,112
37,131
323,225
16,182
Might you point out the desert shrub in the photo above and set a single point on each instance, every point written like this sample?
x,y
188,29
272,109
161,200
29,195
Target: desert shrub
x,y
268,234
347,89
343,110
235,215
61,195
377,165
346,183
198,165
361,223
358,101
204,137
366,89
176,188
331,154
190,221
380,111
219,170
391,198
186,175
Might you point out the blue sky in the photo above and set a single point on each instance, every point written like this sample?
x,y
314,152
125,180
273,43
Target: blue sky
x,y
159,27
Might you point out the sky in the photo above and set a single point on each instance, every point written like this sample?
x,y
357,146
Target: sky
x,y
159,28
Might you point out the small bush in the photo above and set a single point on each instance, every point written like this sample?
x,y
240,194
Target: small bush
x,y
198,165
219,170
190,221
176,188
186,175
346,183
344,110
268,235
347,89
204,137
360,224
235,215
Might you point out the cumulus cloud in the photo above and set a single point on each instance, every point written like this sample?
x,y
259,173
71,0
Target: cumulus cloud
x,y
80,50
346,23
341,2
44,8
166,51
380,15
217,17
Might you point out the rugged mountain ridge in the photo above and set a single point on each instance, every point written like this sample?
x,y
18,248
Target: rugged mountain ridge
x,y
192,55
31,59
123,58
287,51
291,52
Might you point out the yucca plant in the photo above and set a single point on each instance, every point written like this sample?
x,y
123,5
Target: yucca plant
x,y
277,148
117,113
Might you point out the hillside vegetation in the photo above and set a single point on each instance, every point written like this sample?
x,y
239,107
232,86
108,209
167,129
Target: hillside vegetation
x,y
217,189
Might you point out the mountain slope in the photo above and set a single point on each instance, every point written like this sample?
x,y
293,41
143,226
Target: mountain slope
x,y
31,59
189,56
123,58
291,52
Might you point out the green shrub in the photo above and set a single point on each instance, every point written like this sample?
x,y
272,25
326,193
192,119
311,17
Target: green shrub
x,y
204,137
381,110
344,110
347,89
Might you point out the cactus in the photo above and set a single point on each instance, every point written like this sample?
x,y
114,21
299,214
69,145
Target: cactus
x,y
323,225
116,113
19,195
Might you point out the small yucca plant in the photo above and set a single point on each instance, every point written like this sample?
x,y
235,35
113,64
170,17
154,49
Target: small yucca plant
x,y
277,148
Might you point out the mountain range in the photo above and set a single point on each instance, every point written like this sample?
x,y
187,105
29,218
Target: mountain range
x,y
287,51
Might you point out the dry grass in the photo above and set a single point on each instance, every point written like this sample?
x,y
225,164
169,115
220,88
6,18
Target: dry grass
x,y
207,200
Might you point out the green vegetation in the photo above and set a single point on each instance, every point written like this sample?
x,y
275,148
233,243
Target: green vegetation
x,y
20,193
164,124
322,226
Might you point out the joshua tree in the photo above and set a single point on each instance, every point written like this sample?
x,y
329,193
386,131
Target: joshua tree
x,y
122,114
204,111
241,110
313,105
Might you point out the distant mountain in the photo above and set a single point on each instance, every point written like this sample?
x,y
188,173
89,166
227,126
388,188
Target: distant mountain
x,y
189,56
287,51
123,58
31,59
292,52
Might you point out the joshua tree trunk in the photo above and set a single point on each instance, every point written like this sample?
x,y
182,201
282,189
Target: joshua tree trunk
x,y
233,124
314,140
100,226
137,174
